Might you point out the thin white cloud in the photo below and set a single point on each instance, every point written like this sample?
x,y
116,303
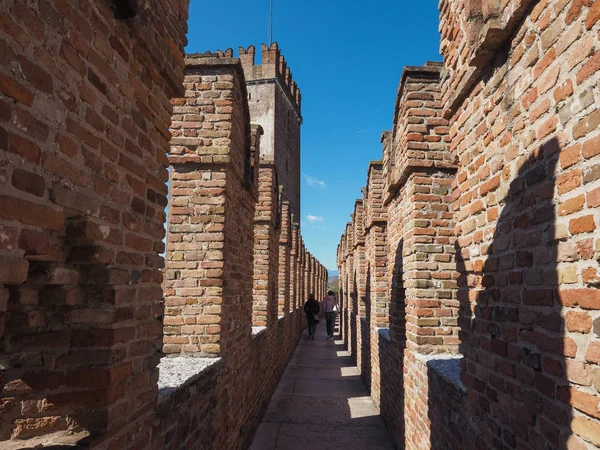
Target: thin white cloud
x,y
314,219
364,131
320,227
313,182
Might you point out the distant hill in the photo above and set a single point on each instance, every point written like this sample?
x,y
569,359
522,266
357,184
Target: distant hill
x,y
333,285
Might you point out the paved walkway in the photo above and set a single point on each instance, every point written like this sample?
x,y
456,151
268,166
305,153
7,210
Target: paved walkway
x,y
321,403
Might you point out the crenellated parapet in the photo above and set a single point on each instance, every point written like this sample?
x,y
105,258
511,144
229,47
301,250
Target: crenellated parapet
x,y
472,34
349,238
273,66
420,137
375,212
358,223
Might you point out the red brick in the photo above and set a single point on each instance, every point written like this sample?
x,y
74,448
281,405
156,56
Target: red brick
x,y
37,76
593,352
26,428
584,402
24,148
591,147
570,156
580,322
588,429
29,182
571,206
593,198
13,270
586,298
591,121
583,224
563,91
14,90
30,213
569,181
593,15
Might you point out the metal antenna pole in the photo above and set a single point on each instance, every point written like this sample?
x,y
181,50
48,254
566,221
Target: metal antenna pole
x,y
271,23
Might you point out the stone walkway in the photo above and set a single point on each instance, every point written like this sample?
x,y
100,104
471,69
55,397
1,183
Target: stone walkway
x,y
321,403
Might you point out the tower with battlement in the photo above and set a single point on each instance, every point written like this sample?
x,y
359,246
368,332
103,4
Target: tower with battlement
x,y
274,100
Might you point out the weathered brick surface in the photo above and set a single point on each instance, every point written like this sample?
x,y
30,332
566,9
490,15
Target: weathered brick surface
x,y
491,233
211,219
237,226
84,130
266,249
85,124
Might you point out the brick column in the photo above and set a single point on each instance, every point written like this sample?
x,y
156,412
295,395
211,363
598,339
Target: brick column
x,y
285,304
266,237
295,301
210,243
423,173
376,245
303,269
308,269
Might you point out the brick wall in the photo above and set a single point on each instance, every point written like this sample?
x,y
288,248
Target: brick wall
x,y
492,248
243,225
266,248
210,160
85,124
84,130
526,218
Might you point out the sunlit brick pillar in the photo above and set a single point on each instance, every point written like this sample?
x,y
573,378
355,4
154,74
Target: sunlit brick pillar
x,y
352,299
421,241
360,291
376,245
211,218
341,264
308,269
294,295
315,274
284,291
420,186
349,287
304,271
266,237
320,281
323,280
299,273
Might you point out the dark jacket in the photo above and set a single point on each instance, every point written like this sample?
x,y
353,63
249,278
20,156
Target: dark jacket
x,y
311,307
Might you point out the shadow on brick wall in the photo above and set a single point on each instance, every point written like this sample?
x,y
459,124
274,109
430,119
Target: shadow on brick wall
x,y
365,362
392,356
512,331
353,316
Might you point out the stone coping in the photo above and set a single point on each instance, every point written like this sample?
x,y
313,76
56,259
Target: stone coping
x,y
256,331
445,365
176,372
384,333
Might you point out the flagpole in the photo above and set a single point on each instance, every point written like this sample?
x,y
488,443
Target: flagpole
x,y
271,23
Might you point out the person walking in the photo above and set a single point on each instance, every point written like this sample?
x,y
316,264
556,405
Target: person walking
x,y
311,308
330,307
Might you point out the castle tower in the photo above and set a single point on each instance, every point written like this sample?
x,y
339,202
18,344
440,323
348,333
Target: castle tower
x,y
274,100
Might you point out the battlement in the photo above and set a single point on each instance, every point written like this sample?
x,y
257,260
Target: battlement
x,y
209,58
272,67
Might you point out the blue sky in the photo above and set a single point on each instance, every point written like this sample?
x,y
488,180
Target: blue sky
x,y
347,57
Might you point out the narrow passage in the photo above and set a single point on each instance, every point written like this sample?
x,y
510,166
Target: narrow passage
x,y
321,403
